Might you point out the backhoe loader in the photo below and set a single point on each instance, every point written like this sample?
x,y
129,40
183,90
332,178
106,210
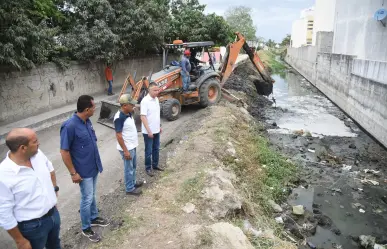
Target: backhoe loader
x,y
206,86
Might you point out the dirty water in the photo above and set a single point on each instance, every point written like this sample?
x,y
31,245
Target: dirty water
x,y
340,203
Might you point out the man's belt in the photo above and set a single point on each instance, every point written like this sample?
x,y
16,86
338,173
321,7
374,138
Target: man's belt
x,y
48,214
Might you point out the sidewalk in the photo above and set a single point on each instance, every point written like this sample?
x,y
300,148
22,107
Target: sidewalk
x,y
49,118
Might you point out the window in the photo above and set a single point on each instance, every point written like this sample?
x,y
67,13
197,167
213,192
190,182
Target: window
x,y
310,28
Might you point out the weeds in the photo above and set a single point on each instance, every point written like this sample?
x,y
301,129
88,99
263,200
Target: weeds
x,y
269,59
191,188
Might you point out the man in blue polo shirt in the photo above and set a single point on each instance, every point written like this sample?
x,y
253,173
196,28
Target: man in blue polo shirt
x,y
78,147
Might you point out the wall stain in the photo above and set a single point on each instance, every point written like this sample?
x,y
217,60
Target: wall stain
x,y
52,88
71,85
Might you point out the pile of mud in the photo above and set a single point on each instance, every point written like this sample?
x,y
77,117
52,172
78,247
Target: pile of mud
x,y
245,78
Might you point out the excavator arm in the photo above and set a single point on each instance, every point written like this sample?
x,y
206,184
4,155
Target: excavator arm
x,y
231,57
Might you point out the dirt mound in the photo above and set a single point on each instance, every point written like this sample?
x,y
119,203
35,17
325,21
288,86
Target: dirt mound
x,y
245,78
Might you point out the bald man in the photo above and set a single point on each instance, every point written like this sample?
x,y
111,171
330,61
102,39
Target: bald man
x,y
28,193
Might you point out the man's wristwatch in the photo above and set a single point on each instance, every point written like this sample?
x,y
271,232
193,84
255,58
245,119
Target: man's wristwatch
x,y
56,188
73,174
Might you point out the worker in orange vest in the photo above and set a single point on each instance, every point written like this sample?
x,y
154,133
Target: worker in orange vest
x,y
109,78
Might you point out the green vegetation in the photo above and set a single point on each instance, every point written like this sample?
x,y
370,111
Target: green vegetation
x,y
240,20
190,189
269,59
262,171
40,31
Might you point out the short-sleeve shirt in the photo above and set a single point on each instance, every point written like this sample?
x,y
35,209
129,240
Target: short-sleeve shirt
x,y
150,108
125,124
78,137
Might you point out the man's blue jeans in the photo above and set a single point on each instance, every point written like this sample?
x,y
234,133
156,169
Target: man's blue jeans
x,y
110,89
89,209
42,233
130,170
152,147
186,80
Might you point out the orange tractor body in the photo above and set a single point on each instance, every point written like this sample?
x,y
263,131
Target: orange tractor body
x,y
206,86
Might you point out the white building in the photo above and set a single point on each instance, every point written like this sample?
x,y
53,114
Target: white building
x,y
324,17
356,32
302,29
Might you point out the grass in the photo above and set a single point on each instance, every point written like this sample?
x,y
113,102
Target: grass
x,y
262,175
191,188
269,59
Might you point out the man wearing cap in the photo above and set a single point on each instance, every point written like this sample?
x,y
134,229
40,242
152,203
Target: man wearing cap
x,y
127,141
186,69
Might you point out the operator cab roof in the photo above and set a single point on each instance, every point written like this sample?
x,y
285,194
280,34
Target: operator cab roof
x,y
190,45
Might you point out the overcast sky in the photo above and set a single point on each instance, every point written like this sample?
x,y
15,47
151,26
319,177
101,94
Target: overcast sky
x,y
273,18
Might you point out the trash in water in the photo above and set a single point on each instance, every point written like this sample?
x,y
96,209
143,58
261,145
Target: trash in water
x,y
362,211
347,167
365,180
375,172
313,151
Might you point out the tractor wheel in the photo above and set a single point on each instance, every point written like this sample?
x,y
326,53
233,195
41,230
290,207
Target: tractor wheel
x,y
209,92
171,109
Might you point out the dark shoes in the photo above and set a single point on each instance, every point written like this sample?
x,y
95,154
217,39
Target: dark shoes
x,y
135,192
157,168
138,184
109,94
91,235
99,222
149,173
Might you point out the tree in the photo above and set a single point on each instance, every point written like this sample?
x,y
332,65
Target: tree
x,y
217,30
140,24
28,28
270,43
286,41
91,37
240,20
187,21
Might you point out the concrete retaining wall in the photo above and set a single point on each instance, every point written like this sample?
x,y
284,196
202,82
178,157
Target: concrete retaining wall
x,y
23,94
359,87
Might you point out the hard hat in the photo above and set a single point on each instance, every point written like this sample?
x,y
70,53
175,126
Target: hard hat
x,y
187,52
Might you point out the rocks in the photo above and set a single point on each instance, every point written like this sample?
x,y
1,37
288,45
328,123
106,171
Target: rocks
x,y
277,208
336,231
274,124
229,236
366,241
218,235
189,208
279,220
220,195
352,146
298,210
231,150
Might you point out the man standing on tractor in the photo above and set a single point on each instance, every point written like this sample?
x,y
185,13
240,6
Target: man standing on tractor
x,y
186,69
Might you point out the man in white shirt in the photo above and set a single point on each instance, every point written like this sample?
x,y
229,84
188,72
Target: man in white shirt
x,y
27,193
127,141
151,128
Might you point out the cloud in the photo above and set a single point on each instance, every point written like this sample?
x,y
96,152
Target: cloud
x,y
273,18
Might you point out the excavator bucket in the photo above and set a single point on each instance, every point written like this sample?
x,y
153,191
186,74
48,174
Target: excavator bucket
x,y
110,108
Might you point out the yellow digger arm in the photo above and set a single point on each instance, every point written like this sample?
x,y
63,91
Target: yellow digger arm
x,y
231,57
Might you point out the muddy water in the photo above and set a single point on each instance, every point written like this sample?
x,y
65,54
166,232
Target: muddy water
x,y
333,153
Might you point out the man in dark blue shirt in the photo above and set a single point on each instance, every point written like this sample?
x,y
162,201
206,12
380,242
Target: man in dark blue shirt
x,y
185,69
78,147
